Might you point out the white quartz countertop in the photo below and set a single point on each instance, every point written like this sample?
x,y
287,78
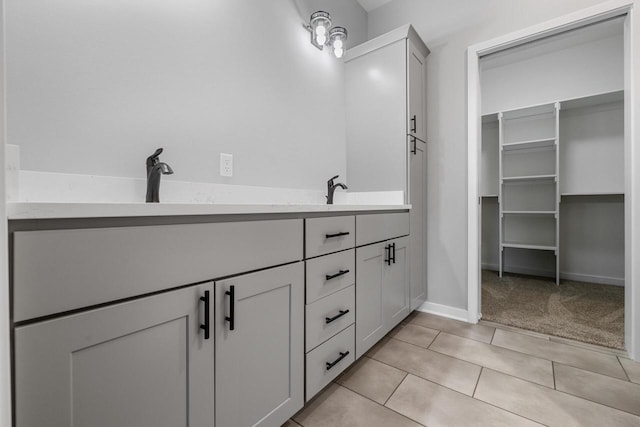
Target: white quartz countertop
x,y
49,210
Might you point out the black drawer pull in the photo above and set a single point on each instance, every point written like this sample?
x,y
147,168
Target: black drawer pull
x,y
414,123
231,318
336,317
206,326
387,254
335,362
393,249
330,236
338,274
414,150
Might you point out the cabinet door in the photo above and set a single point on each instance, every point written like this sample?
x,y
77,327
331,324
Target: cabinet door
x,y
416,93
140,363
370,266
259,363
417,216
395,285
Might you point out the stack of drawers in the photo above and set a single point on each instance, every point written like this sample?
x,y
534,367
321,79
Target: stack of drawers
x,y
330,299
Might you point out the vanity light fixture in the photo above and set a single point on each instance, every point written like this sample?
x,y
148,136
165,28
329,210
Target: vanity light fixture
x,y
323,35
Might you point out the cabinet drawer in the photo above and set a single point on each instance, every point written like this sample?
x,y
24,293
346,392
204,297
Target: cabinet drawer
x,y
60,270
319,373
377,227
326,235
325,317
322,274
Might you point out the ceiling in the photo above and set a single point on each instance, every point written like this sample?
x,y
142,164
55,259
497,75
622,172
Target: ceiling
x,y
369,5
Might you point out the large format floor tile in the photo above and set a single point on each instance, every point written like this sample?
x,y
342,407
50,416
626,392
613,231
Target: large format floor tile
x,y
372,379
609,391
547,406
500,359
631,368
414,334
437,406
338,406
475,332
444,370
563,353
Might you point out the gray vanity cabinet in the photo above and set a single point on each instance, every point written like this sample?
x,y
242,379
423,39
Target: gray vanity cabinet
x,y
382,290
259,358
143,363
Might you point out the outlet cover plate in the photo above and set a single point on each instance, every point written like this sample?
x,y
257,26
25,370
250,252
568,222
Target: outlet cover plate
x,y
226,164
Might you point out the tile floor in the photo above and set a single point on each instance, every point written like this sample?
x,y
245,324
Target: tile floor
x,y
431,371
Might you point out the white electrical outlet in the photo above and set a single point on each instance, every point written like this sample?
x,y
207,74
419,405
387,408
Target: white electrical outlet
x,y
226,164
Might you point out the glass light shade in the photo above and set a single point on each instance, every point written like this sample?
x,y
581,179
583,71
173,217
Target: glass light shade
x,y
319,25
337,37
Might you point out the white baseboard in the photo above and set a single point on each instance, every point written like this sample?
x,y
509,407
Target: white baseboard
x,y
602,280
444,311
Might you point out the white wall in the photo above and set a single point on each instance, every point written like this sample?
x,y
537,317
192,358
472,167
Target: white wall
x,y
582,62
448,28
94,87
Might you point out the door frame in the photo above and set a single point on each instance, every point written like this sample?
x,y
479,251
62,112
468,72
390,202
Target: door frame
x,y
555,26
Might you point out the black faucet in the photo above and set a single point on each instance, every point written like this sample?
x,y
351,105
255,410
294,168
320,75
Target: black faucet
x,y
331,188
155,169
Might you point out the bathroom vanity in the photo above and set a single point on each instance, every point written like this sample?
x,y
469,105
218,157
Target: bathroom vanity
x,y
176,315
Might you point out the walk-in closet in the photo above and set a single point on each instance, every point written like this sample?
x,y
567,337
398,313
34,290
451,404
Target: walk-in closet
x,y
552,184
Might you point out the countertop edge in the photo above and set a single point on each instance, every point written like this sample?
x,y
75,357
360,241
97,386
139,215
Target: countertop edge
x,y
48,210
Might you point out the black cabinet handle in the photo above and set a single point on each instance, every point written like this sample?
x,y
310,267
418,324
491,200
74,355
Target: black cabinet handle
x,y
335,362
393,248
231,318
338,274
414,123
414,150
336,317
387,254
206,326
330,236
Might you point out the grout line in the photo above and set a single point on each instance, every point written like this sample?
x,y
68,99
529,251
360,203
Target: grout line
x,y
547,358
553,372
434,340
598,403
557,339
477,382
475,398
394,390
624,370
508,410
378,403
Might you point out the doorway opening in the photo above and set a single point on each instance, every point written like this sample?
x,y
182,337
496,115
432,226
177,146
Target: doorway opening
x,y
551,177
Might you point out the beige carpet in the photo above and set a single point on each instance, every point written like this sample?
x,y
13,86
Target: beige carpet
x,y
581,311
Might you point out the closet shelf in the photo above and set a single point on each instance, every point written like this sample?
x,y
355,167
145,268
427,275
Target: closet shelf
x,y
529,178
529,212
528,246
533,143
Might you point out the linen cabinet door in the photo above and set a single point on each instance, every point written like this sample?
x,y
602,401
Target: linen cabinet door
x,y
395,285
143,363
416,92
370,265
260,347
417,222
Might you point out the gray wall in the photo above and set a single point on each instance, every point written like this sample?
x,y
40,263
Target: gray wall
x,y
448,28
95,87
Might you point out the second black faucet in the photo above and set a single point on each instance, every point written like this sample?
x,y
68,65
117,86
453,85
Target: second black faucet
x,y
331,188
